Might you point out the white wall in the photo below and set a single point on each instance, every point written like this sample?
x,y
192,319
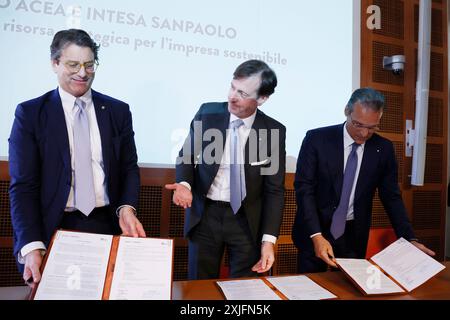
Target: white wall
x,y
313,38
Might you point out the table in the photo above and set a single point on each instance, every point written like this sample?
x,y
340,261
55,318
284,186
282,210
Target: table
x,y
437,288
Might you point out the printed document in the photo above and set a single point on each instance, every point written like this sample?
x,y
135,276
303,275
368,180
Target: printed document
x,y
76,267
300,288
407,264
253,289
143,269
368,277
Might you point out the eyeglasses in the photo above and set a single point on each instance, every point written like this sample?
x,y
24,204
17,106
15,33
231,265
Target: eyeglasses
x,y
359,125
75,66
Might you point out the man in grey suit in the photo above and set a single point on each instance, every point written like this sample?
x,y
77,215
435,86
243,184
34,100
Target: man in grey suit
x,y
230,178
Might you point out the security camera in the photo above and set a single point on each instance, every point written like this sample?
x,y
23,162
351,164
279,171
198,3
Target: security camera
x,y
395,63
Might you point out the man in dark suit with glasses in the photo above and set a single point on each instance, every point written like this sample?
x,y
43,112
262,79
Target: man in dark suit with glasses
x,y
334,205
72,158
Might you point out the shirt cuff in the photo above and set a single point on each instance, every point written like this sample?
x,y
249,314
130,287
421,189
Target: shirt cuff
x,y
26,249
315,234
187,185
123,206
269,238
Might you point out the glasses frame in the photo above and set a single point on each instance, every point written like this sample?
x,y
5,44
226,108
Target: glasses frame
x,y
360,126
79,65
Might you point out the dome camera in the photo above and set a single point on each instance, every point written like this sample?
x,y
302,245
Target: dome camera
x,y
395,63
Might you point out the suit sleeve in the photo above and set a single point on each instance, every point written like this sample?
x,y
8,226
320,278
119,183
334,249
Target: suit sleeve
x,y
391,198
305,185
273,197
187,156
130,171
24,190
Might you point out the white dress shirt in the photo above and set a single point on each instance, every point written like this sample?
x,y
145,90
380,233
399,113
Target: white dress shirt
x,y
68,103
220,187
348,141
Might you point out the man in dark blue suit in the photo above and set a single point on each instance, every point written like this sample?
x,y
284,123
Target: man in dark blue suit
x,y
72,158
334,206
230,178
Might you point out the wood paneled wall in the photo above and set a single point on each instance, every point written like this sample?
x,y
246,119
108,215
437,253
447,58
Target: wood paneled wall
x,y
160,219
399,35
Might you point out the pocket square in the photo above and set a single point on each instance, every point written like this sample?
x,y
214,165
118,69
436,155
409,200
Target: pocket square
x,y
259,163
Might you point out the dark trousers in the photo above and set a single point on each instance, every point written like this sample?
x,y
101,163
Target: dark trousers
x,y
220,228
100,220
343,247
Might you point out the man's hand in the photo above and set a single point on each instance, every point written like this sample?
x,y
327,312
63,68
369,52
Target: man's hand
x,y
182,196
423,248
130,225
31,273
267,258
323,250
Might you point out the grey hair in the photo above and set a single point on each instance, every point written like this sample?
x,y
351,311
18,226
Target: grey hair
x,y
368,97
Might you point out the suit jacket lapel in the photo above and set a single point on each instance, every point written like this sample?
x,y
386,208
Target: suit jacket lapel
x,y
221,122
254,145
368,166
102,112
335,157
57,127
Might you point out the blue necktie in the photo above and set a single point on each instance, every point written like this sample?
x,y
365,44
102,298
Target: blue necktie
x,y
340,215
237,174
84,181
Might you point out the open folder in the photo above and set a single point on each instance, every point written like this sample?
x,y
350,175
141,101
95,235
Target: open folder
x,y
88,266
399,268
298,287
